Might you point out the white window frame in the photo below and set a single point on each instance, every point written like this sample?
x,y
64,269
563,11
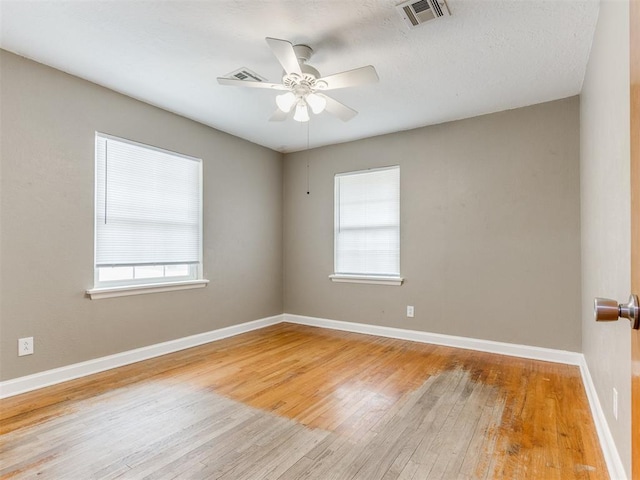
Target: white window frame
x,y
362,277
137,286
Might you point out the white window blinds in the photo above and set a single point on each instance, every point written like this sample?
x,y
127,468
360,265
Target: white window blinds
x,y
148,205
367,222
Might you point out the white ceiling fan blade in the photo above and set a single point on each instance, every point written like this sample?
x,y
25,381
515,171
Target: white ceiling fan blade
x,y
351,78
338,109
234,82
283,50
279,116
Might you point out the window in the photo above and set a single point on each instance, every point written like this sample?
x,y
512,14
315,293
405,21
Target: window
x,y
148,219
367,226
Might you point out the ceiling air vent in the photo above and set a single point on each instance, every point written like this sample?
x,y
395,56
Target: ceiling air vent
x,y
415,13
246,75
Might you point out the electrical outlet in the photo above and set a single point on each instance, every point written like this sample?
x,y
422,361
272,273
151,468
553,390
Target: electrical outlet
x,y
410,311
615,403
25,346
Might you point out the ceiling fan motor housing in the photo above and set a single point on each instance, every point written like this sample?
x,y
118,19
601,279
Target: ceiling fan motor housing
x,y
303,85
303,53
307,82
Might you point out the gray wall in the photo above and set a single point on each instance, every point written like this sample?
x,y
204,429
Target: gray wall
x,y
490,217
604,176
46,250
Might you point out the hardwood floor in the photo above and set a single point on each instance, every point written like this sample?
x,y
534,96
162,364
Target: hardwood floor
x,y
297,402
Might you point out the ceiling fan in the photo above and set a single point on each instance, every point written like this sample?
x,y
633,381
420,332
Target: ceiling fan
x,y
304,87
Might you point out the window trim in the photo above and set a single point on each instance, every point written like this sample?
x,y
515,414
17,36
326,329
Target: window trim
x,y
126,290
369,279
364,278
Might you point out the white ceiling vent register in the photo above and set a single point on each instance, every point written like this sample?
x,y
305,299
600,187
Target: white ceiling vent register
x,y
246,75
415,13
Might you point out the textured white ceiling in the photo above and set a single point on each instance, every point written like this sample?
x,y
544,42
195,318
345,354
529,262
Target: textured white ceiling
x,y
490,55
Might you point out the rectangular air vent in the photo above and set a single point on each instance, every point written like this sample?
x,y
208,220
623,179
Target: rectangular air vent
x,y
415,13
246,75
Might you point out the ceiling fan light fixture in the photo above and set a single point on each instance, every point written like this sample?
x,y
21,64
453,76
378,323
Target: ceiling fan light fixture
x,y
286,101
302,113
316,102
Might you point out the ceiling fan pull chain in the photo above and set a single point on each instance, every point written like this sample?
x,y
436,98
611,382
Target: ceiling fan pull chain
x,y
307,154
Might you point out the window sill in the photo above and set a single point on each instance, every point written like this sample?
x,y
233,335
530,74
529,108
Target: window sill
x,y
374,280
109,292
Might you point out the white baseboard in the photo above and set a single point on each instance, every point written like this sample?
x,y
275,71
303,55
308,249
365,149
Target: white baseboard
x,y
502,348
28,383
609,450
58,375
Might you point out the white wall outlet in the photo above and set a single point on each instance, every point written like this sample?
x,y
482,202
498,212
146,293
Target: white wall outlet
x,y
25,346
410,311
615,403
